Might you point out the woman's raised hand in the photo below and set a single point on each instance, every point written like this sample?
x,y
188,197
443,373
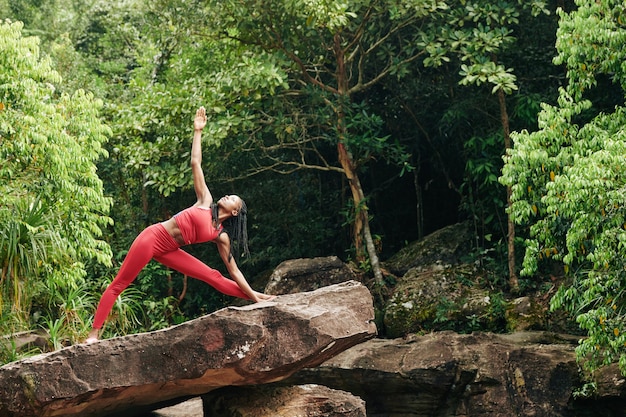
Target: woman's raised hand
x,y
200,120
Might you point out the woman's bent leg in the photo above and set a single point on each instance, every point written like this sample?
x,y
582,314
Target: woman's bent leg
x,y
189,265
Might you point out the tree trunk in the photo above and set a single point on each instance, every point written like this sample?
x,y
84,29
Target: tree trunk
x,y
361,220
513,280
420,203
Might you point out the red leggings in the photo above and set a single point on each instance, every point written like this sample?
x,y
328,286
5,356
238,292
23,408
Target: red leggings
x,y
155,242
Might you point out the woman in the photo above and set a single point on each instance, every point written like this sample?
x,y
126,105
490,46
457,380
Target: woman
x,y
201,222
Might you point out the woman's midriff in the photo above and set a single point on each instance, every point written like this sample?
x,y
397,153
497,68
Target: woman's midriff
x,y
172,228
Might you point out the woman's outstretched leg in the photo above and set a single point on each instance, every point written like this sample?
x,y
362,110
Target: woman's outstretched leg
x,y
187,264
138,256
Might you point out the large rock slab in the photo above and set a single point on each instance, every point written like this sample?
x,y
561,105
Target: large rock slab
x,y
248,345
480,374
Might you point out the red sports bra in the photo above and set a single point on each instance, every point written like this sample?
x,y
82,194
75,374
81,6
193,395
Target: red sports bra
x,y
196,225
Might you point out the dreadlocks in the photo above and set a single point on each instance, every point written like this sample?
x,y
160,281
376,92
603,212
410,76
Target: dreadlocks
x,y
237,229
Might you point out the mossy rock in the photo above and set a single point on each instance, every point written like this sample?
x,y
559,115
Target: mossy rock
x,y
446,246
440,297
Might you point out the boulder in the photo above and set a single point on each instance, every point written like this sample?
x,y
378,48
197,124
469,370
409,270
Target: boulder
x,y
446,246
25,341
438,296
611,384
273,401
435,288
526,313
307,274
480,374
254,344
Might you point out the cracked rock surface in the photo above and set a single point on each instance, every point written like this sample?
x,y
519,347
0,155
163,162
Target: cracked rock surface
x,y
249,345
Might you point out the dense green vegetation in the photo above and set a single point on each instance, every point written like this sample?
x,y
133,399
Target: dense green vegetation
x,y
350,128
569,181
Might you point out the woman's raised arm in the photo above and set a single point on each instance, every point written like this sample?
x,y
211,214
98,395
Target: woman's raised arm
x,y
199,183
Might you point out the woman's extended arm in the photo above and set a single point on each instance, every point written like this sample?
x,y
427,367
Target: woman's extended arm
x,y
223,246
199,183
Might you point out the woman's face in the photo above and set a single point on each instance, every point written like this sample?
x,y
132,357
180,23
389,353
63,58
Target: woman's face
x,y
231,204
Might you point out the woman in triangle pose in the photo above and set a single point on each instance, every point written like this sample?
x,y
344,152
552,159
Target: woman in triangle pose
x,y
202,222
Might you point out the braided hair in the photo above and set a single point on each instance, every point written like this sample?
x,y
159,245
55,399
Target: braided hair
x,y
237,229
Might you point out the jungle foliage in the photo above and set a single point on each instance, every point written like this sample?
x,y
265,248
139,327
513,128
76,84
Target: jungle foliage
x,y
53,208
568,180
349,127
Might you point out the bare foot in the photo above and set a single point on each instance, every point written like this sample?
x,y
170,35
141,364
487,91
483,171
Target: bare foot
x,y
92,337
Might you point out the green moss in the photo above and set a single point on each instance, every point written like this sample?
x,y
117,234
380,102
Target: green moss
x,y
30,385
